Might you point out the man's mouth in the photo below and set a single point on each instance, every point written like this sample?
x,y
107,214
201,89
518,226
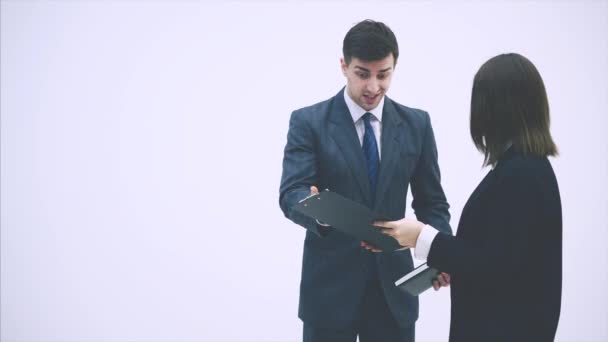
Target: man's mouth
x,y
370,99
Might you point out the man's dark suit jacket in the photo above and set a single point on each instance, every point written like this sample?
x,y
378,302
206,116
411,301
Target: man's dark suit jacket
x,y
323,149
506,260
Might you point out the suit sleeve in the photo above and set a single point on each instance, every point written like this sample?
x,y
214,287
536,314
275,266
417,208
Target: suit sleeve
x,y
429,202
506,241
299,171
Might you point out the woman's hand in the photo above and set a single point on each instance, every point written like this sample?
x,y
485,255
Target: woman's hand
x,y
405,231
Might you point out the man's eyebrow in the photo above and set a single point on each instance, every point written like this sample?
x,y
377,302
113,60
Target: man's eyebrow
x,y
367,70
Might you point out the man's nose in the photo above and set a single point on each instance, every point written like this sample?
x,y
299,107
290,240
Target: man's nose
x,y
373,86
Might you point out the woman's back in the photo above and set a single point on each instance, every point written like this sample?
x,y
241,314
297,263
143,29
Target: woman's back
x,y
514,220
505,263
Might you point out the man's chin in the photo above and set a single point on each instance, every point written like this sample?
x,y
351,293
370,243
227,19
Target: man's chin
x,y
369,107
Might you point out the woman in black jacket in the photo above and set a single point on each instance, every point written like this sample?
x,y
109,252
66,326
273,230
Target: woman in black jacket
x,y
505,262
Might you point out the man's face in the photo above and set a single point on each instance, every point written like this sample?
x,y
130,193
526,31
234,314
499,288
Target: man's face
x,y
367,82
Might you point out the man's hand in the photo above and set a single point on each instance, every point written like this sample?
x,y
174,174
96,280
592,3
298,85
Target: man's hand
x,y
370,247
315,191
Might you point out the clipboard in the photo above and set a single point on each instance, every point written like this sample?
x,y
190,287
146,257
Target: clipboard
x,y
418,280
347,216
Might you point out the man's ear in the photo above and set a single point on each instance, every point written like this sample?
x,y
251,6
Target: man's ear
x,y
343,65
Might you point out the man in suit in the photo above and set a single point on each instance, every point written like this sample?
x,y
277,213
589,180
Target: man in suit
x,y
369,148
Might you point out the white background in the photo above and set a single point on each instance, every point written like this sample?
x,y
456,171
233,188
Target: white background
x,y
141,149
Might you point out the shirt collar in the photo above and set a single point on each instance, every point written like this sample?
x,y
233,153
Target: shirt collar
x,y
357,112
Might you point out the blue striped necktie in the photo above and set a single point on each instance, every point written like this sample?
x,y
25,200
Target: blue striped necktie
x,y
370,150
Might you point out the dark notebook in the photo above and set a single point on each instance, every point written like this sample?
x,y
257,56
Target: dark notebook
x,y
348,217
418,280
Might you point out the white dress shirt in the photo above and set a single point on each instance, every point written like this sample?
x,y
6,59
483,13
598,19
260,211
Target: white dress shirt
x,y
424,241
376,120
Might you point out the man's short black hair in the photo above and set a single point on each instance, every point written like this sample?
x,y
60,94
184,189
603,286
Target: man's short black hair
x,y
369,41
509,106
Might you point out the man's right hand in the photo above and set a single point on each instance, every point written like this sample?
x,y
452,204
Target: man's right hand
x,y
315,191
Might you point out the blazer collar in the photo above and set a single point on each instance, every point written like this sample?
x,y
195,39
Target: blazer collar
x,y
393,141
357,111
342,130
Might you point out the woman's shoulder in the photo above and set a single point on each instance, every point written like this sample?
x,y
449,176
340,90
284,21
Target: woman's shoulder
x,y
521,167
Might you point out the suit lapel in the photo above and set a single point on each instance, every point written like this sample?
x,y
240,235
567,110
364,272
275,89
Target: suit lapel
x,y
342,130
392,143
